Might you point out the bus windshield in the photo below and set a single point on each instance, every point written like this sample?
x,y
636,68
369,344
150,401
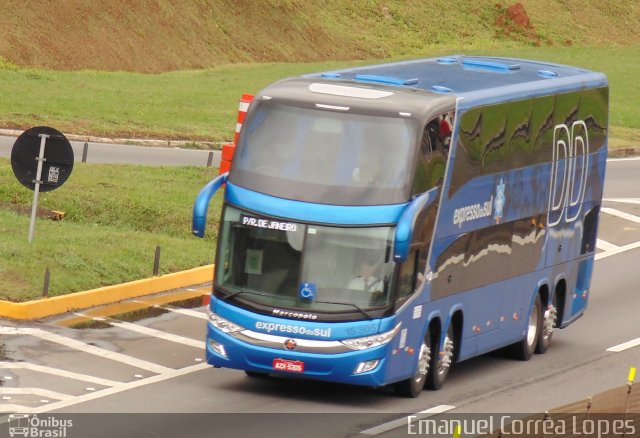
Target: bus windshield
x,y
308,267
323,156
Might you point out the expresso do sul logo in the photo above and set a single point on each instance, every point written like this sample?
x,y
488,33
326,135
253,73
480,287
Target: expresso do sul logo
x,y
34,426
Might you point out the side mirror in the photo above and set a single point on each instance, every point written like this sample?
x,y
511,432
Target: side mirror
x,y
200,207
407,222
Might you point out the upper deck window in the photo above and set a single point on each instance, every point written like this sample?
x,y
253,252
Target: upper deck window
x,y
328,157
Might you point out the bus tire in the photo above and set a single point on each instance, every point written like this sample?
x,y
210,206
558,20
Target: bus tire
x,y
413,386
548,324
441,363
524,349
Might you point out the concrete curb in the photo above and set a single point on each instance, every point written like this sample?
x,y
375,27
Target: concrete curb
x,y
104,295
213,145
624,152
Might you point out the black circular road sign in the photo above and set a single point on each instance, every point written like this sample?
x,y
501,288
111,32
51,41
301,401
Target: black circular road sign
x,y
58,158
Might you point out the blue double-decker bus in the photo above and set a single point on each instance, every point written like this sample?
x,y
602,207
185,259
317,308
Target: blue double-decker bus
x,y
382,223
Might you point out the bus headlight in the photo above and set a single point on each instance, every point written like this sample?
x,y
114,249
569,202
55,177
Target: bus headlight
x,y
222,324
371,341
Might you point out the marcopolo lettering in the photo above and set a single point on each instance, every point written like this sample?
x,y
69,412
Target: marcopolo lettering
x,y
268,224
297,315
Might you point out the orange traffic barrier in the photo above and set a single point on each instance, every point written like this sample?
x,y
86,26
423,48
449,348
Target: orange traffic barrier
x,y
245,101
227,156
228,149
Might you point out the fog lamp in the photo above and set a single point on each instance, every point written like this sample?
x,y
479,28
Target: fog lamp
x,y
218,348
369,365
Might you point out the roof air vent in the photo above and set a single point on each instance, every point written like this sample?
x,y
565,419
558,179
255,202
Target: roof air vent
x,y
441,89
390,80
331,75
547,73
482,64
448,60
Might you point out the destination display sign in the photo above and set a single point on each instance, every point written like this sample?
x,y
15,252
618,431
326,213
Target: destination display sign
x,y
269,224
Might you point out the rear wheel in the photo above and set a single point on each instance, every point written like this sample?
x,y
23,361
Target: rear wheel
x,y
548,324
413,386
524,349
441,362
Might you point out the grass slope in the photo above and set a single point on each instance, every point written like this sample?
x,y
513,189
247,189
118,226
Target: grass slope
x,y
202,104
163,35
115,217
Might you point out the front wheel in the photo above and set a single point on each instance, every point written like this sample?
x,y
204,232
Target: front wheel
x,y
524,349
412,387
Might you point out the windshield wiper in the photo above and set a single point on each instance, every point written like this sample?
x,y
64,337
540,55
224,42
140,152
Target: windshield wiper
x,y
360,309
233,294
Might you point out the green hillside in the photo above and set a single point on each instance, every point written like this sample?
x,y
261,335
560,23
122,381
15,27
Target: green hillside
x,y
163,35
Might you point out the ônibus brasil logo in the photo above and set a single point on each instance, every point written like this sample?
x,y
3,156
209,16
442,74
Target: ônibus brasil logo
x,y
32,426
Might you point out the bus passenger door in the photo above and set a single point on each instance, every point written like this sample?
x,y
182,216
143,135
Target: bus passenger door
x,y
406,346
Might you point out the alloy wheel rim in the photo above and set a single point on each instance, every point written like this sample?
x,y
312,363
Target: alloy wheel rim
x,y
423,362
533,326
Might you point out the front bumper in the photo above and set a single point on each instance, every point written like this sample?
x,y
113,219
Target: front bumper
x,y
335,367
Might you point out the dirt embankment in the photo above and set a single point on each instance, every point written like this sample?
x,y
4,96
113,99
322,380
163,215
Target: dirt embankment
x,y
161,35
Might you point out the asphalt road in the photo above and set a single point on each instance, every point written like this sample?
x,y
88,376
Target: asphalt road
x,y
155,367
126,154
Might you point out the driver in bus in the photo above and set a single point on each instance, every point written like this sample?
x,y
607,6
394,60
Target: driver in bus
x,y
366,280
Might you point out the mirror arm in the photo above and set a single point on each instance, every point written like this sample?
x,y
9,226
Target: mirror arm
x,y
405,227
201,205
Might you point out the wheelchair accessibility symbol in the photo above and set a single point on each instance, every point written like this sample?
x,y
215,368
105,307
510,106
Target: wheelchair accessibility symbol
x,y
307,291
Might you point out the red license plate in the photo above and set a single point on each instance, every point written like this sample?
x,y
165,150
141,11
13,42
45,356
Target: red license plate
x,y
292,366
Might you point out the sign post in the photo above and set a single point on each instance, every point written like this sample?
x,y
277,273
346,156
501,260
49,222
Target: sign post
x,y
36,190
42,160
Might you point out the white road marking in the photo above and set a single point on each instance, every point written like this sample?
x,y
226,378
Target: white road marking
x,y
623,200
404,421
35,391
619,250
621,214
624,159
105,392
86,348
14,408
188,312
158,334
606,246
624,346
57,372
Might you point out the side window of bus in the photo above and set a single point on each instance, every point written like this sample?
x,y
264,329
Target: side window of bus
x,y
433,153
407,278
412,271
